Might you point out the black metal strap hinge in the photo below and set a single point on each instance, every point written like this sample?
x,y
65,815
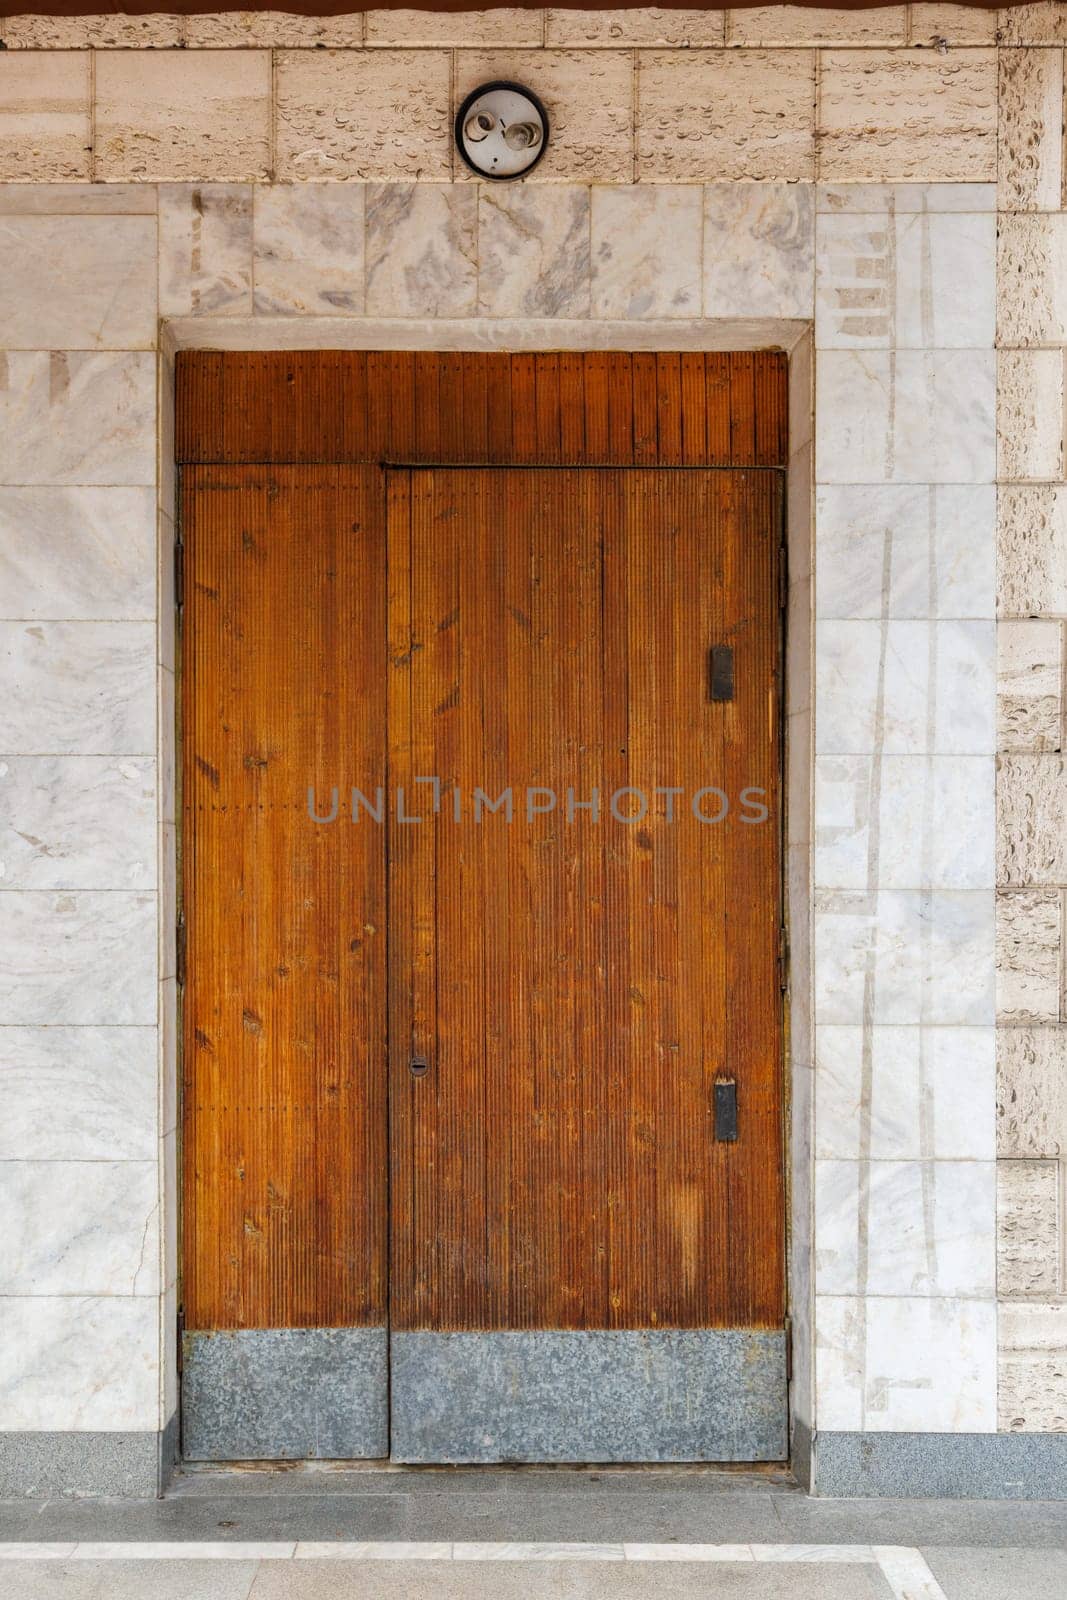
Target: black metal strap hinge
x,y
783,959
179,951
179,575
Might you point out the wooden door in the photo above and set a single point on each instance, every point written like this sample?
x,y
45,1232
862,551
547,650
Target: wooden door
x,y
570,985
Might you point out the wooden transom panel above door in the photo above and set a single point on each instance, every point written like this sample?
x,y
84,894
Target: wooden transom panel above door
x,y
482,1100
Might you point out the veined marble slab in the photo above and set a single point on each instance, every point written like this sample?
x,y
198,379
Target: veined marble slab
x,y
646,250
74,688
77,283
422,256
759,250
77,553
80,1227
205,249
78,1094
78,1362
77,822
534,251
78,958
77,417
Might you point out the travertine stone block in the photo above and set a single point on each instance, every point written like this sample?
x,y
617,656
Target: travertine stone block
x,y
1029,685
950,24
183,116
358,114
1032,1092
44,117
1032,550
1044,22
1029,955
815,25
1031,821
158,30
1032,1387
1029,1249
499,25
279,30
1032,279
1029,414
589,98
1030,130
733,114
647,26
907,115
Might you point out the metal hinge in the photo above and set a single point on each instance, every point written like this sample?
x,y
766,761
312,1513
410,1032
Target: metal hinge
x,y
179,575
179,950
783,959
181,1338
783,577
788,1330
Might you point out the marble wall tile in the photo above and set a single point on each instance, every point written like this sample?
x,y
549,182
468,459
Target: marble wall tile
x,y
904,822
910,417
759,250
905,1093
77,553
45,124
914,281
309,249
422,250
205,249
85,958
1030,414
1032,279
898,115
1032,1091
906,1365
534,252
801,25
337,116
1031,821
498,25
78,688
1032,1388
693,105
77,822
77,199
1029,1241
905,550
926,1228
79,1227
646,251
1030,133
905,688
78,1094
183,116
77,418
1032,550
77,283
79,1363
589,97
1029,955
898,197
1029,685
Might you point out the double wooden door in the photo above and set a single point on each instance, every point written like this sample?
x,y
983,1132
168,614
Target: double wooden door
x,y
481,1012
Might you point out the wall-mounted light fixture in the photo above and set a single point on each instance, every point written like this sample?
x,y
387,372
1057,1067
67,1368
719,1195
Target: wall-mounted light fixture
x,y
501,130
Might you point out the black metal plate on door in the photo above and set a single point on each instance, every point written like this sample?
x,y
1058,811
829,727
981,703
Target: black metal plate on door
x,y
726,1111
722,672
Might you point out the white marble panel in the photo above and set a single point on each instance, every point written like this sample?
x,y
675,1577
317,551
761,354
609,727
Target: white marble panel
x,y
880,197
77,822
915,281
76,1363
905,688
906,550
78,1094
422,254
77,418
77,553
77,283
905,1093
759,250
78,688
78,958
646,251
904,822
906,416
78,199
79,1227
308,258
205,249
905,1228
534,251
906,1365
897,956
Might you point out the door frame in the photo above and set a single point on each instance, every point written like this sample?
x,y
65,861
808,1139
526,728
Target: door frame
x,y
796,722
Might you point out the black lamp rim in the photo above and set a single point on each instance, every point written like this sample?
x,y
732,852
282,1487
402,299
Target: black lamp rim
x,y
461,117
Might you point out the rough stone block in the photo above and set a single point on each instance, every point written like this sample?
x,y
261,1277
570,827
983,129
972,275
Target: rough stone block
x,y
1029,1252
1032,1092
1044,22
724,115
933,25
1030,130
817,25
1028,955
648,26
1032,280
1033,1367
1031,821
44,117
277,30
1029,414
1032,550
1029,685
364,115
498,25
159,30
888,115
184,116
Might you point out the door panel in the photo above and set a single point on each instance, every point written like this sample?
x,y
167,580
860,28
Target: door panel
x,y
577,987
284,1114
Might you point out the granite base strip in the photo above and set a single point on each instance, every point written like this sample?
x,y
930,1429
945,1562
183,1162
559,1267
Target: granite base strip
x,y
706,1394
42,1465
285,1394
951,1466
